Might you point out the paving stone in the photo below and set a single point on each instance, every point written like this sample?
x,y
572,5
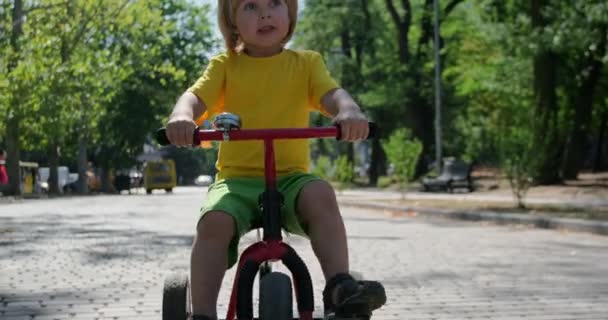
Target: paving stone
x,y
106,257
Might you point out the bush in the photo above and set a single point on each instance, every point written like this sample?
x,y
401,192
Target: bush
x,y
403,152
518,161
384,181
344,171
322,168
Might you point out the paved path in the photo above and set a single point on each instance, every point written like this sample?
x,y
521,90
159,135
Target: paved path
x,y
105,257
581,201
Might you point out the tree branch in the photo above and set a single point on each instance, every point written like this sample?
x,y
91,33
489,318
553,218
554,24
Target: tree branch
x,y
393,11
426,26
450,7
407,7
45,7
83,28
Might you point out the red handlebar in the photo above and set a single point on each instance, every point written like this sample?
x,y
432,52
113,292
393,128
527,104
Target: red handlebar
x,y
262,134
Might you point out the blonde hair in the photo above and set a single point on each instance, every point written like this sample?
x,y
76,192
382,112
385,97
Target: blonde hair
x,y
227,22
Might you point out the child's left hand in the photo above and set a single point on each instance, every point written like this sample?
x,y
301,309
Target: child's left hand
x,y
353,123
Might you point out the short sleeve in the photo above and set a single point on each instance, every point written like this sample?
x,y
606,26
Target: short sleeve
x,y
210,87
321,81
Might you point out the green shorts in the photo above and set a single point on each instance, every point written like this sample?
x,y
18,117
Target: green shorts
x,y
238,197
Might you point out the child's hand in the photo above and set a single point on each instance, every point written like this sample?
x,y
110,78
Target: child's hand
x,y
180,130
353,123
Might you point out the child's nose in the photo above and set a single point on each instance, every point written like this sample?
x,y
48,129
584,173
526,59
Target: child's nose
x,y
265,14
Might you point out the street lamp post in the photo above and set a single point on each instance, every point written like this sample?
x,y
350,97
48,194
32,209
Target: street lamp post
x,y
437,89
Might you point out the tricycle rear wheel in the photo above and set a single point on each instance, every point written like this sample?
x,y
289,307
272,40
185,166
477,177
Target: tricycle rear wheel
x,y
176,297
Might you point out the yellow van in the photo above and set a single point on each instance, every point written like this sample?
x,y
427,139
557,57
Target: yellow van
x,y
159,175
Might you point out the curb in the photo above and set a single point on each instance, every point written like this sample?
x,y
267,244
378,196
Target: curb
x,y
542,222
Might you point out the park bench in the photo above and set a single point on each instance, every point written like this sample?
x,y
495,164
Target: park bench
x,y
455,174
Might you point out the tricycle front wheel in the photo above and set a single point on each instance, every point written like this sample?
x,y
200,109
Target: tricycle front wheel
x,y
276,301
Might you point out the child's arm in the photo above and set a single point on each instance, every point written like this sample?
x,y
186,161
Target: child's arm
x,y
181,124
347,114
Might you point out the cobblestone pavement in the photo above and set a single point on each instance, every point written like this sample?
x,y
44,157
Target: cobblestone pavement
x,y
105,257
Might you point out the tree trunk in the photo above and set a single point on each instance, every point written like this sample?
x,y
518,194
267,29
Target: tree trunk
x,y
83,161
13,120
403,27
54,187
597,164
83,164
419,117
575,154
547,144
106,179
13,156
348,77
377,166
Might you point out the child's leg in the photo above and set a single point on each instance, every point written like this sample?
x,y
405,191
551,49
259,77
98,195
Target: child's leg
x,y
209,260
318,208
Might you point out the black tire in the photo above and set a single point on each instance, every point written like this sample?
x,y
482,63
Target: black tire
x,y
176,297
148,191
169,190
276,301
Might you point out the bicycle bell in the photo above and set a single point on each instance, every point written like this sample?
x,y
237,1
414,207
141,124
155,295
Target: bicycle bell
x,y
226,122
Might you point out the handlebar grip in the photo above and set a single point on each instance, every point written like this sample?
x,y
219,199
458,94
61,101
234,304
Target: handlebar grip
x,y
161,137
373,131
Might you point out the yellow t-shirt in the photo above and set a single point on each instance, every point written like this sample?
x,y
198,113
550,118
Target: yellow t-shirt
x,y
272,92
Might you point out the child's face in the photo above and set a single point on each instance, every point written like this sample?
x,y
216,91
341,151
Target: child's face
x,y
262,24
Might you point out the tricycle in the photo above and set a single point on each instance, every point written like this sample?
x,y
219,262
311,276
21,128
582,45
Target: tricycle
x,y
275,298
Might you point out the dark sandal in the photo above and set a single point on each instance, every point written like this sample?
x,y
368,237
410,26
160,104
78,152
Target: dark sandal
x,y
200,317
355,299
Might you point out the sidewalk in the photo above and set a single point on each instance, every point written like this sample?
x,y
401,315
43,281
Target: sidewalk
x,y
556,197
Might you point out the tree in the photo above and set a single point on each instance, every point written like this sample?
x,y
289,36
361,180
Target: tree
x,y
92,79
540,59
179,43
418,105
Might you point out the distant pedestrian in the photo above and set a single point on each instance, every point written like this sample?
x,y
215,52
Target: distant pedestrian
x,y
3,174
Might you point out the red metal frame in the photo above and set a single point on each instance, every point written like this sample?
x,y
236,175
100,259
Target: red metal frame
x,y
270,134
273,249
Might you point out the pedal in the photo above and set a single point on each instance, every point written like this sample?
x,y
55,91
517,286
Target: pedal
x,y
353,317
352,312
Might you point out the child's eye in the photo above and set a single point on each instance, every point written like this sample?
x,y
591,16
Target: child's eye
x,y
249,6
275,3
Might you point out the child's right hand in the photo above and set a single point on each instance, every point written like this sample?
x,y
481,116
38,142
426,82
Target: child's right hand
x,y
180,130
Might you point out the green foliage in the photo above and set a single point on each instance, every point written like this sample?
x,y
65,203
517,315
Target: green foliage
x,y
402,151
107,71
344,171
384,181
108,74
323,167
518,160
190,163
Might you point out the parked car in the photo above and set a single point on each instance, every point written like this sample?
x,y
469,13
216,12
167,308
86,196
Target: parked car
x,y
64,178
159,175
203,180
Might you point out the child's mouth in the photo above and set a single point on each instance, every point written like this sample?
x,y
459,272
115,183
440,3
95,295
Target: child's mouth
x,y
266,29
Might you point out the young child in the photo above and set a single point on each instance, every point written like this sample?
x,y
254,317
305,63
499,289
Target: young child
x,y
268,86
